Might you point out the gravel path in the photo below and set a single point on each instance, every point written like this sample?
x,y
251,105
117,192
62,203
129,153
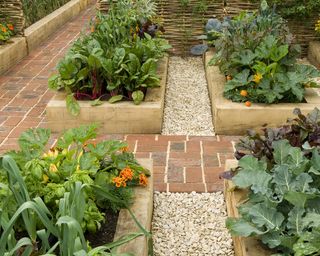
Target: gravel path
x,y
190,225
187,104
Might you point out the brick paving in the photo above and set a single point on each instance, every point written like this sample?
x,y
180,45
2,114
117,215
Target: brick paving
x,y
181,163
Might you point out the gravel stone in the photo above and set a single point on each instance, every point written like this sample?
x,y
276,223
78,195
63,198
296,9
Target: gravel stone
x,y
187,105
190,225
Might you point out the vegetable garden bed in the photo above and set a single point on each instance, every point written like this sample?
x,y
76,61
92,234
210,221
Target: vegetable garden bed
x,y
235,118
243,246
121,117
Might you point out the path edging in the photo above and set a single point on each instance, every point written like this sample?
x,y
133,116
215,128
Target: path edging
x,y
42,29
142,208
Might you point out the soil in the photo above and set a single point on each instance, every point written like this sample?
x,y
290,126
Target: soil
x,y
106,233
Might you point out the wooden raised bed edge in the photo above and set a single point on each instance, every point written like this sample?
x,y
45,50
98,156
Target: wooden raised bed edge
x,y
232,118
142,208
243,246
118,118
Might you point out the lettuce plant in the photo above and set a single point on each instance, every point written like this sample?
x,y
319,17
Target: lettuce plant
x,y
255,52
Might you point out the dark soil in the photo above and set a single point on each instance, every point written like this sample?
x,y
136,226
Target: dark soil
x,y
106,233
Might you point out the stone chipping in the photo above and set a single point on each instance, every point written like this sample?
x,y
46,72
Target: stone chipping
x,y
187,105
190,225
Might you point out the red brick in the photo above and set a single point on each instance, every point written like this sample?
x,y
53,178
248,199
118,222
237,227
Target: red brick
x,y
202,138
161,187
158,177
142,138
16,132
193,146
215,187
12,120
183,155
187,187
175,174
159,169
142,155
212,174
194,174
150,147
167,138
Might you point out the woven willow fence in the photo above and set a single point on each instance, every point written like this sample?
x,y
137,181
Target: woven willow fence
x,y
184,20
11,12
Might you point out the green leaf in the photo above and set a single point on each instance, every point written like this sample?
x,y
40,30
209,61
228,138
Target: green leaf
x,y
137,97
272,239
280,52
240,227
283,179
116,98
53,82
298,199
67,69
244,57
72,105
264,215
295,223
281,151
239,80
252,173
96,102
311,219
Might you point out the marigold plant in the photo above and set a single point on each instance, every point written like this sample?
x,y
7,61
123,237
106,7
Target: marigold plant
x,y
6,32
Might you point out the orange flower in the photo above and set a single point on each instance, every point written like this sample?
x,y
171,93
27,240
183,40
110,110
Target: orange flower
x,y
244,93
119,182
126,174
10,26
143,180
92,29
125,149
4,30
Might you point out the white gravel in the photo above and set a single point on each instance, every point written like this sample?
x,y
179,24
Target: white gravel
x,y
187,104
190,225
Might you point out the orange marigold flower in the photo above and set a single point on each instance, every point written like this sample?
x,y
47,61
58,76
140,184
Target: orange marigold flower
x,y
119,182
126,174
125,149
244,93
4,30
10,26
143,180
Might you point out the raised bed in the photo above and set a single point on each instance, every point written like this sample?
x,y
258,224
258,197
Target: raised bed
x,y
121,117
231,118
314,53
12,52
243,246
142,208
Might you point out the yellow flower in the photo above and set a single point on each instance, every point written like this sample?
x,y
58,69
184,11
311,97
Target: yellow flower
x,y
257,78
53,168
45,178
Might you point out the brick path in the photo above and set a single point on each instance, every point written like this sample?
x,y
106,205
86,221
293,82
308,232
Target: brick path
x,y
181,163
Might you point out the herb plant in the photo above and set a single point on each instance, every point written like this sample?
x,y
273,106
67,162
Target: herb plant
x,y
117,60
255,52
